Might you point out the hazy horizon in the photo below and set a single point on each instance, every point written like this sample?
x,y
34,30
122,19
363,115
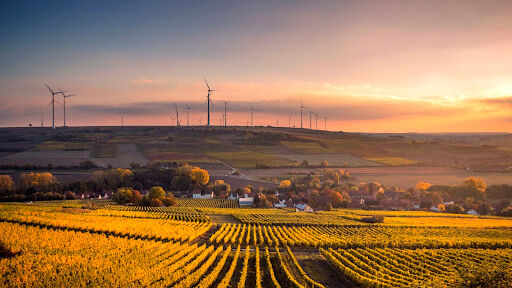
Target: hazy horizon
x,y
386,66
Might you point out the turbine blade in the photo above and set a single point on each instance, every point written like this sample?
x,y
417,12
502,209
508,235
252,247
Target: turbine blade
x,y
49,88
206,83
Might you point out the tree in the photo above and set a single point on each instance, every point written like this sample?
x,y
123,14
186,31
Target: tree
x,y
122,195
156,203
169,200
379,195
422,186
429,199
324,163
285,184
113,178
247,191
199,176
136,197
476,183
220,188
6,184
156,192
455,209
38,182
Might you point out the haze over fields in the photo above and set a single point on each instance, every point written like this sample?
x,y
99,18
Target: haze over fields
x,y
373,66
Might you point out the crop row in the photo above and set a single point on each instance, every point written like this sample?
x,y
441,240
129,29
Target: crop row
x,y
361,236
60,258
406,267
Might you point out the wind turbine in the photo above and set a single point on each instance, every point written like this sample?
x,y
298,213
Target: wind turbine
x,y
325,123
252,110
65,96
316,121
289,121
310,113
188,119
177,115
53,103
225,113
209,100
302,107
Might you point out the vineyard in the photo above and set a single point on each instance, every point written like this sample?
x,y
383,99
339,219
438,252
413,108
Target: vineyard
x,y
73,243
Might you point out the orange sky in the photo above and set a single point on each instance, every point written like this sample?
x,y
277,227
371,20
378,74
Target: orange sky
x,y
374,66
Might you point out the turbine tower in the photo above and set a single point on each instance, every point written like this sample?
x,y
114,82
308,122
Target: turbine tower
x,y
53,103
310,113
225,113
302,107
325,123
65,96
177,115
316,121
252,110
188,119
289,121
209,100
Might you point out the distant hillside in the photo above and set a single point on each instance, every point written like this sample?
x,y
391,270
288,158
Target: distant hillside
x,y
251,147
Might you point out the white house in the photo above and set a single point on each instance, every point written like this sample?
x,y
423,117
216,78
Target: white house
x,y
473,212
203,196
246,200
434,209
280,204
233,196
303,208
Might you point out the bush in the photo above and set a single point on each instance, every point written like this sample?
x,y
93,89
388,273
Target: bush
x,y
156,192
169,200
122,196
156,203
373,219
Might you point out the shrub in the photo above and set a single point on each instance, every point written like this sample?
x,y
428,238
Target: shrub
x,y
156,192
169,200
156,203
373,219
122,196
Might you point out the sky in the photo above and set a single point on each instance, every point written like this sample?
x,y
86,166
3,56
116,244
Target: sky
x,y
369,66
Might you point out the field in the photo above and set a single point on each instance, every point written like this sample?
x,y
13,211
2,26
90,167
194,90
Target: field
x,y
400,160
212,243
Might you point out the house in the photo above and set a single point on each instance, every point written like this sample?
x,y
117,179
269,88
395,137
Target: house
x,y
203,196
303,208
245,200
473,212
448,203
280,204
233,196
435,209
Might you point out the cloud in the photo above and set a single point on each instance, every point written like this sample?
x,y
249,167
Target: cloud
x,y
145,81
335,111
507,101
